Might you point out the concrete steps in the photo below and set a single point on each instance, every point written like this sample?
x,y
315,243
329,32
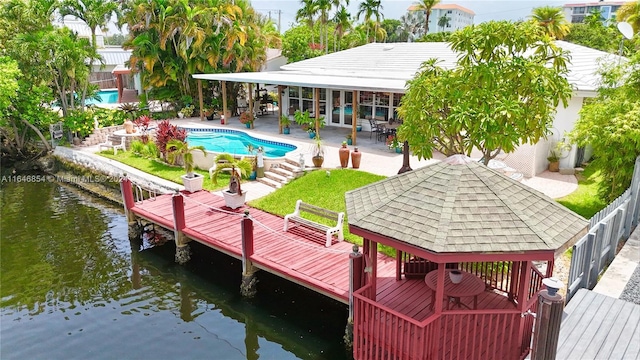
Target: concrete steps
x,y
281,174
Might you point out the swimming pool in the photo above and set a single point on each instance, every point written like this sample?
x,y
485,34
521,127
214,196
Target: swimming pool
x,y
235,142
106,97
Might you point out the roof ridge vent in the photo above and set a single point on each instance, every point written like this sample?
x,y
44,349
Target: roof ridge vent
x,y
457,159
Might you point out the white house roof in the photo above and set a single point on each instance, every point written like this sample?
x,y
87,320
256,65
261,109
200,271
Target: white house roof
x,y
387,67
113,56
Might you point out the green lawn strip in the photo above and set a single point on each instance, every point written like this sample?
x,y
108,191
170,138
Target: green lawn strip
x,y
320,189
164,171
585,201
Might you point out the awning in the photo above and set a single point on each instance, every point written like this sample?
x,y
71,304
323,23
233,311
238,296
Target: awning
x,y
308,79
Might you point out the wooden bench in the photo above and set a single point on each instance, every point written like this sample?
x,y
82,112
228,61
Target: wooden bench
x,y
315,210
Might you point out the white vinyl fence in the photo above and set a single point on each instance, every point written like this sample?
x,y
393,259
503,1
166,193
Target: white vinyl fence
x,y
607,228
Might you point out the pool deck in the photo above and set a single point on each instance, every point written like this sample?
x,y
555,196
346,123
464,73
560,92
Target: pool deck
x,y
376,157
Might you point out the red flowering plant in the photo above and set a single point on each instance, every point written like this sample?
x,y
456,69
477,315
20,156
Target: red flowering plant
x,y
167,132
142,123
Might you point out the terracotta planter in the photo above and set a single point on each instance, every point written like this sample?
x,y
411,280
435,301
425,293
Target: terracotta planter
x,y
355,158
554,166
343,152
317,161
128,126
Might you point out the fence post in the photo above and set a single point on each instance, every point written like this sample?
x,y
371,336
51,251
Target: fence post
x,y
547,328
633,208
356,269
249,279
586,265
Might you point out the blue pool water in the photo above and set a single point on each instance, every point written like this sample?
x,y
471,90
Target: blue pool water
x,y
106,97
235,143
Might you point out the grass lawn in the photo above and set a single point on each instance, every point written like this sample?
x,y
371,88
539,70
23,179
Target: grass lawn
x,y
164,171
585,201
322,190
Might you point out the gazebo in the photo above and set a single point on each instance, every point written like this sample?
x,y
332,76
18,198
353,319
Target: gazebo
x,y
454,221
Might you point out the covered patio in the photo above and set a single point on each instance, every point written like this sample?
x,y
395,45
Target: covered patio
x,y
453,216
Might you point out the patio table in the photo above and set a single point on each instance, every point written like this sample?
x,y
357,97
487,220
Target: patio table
x,y
470,285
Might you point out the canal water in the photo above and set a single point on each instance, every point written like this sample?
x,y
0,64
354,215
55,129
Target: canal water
x,y
72,286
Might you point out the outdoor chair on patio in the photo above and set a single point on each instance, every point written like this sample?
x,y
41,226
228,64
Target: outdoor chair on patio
x,y
379,129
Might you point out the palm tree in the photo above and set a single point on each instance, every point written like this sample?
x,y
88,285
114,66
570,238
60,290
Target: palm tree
x,y
444,21
552,20
412,24
594,18
342,19
370,8
307,15
630,12
426,6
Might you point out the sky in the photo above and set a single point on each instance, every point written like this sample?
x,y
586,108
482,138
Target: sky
x,y
393,9
485,10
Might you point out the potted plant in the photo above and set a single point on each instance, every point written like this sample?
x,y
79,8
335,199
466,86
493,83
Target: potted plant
x,y
177,149
186,111
554,160
359,125
317,151
285,122
394,144
234,197
253,161
308,124
247,119
349,139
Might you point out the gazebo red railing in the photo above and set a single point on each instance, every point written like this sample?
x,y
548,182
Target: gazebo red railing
x,y
382,332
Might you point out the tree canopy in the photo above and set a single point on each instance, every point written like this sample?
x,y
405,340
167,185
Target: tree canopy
x,y
509,79
552,20
611,125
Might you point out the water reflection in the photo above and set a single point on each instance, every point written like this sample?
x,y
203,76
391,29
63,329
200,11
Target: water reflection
x,y
73,286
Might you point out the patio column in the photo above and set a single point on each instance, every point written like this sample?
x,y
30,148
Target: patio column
x,y
354,117
251,100
317,111
224,102
280,89
201,101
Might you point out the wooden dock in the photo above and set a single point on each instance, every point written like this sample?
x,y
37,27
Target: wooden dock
x,y
298,255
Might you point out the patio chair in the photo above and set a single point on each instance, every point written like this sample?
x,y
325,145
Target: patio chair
x,y
379,129
110,145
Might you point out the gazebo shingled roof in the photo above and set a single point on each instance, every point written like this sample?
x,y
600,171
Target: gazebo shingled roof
x,y
460,205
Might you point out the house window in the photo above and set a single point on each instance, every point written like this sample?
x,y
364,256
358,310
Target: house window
x,y
366,105
294,97
579,10
307,99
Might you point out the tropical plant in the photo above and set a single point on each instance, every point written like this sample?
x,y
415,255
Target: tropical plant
x,y
552,20
342,20
165,133
227,160
630,12
95,13
412,24
179,149
508,81
392,142
285,121
368,9
426,6
306,14
610,124
317,148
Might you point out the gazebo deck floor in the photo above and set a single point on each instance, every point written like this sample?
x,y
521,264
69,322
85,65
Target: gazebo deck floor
x,y
412,297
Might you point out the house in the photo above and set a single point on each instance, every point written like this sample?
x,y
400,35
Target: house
x,y
369,81
575,13
459,17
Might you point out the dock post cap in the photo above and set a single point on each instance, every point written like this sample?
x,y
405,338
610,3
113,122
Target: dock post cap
x,y
355,248
246,213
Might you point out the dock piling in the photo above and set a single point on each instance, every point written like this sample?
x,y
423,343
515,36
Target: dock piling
x,y
249,279
183,251
126,189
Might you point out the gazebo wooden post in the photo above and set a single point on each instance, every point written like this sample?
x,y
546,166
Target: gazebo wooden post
x,y
354,115
398,265
374,270
280,89
201,100
516,267
525,279
224,102
317,112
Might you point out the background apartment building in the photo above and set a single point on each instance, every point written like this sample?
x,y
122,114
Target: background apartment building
x,y
459,17
575,13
